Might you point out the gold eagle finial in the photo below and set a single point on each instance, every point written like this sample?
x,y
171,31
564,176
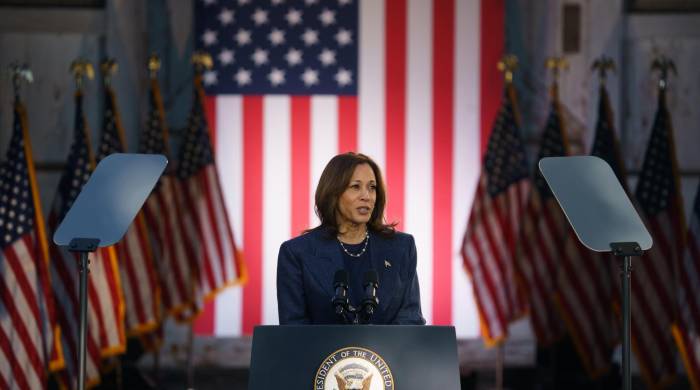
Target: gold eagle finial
x,y
603,65
81,68
507,65
664,65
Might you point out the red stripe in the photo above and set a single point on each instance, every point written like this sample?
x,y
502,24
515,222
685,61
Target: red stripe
x,y
252,209
204,323
492,46
443,91
347,124
210,112
395,102
111,278
301,163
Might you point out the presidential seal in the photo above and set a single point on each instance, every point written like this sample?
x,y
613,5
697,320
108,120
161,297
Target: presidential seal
x,y
354,368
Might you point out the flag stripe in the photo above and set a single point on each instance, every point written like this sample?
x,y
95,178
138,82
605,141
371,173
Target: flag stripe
x,y
347,124
300,163
372,100
276,195
252,209
395,109
443,79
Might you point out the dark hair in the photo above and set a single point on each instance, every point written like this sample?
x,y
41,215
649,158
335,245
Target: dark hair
x,y
334,181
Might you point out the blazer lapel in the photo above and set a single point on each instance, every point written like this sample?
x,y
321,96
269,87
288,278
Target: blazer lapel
x,y
327,261
380,250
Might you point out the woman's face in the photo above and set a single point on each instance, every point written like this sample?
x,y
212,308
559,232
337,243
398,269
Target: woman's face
x,y
356,204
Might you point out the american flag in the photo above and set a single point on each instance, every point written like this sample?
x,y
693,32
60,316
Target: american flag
x,y
105,303
490,241
27,325
586,281
655,275
174,253
543,233
687,329
411,83
136,267
218,262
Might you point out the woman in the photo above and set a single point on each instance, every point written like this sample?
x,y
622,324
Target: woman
x,y
352,237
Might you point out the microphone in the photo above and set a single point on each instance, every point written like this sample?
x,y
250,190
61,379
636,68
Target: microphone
x,y
340,299
370,303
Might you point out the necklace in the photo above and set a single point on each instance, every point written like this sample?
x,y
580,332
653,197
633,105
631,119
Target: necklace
x,y
364,248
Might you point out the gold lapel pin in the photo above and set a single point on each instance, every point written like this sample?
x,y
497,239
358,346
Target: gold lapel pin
x,y
387,264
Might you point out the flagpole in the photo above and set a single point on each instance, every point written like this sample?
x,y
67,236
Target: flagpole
x,y
499,366
190,356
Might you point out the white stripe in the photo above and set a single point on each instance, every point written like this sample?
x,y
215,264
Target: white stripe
x,y
370,133
324,141
465,151
419,162
229,157
276,196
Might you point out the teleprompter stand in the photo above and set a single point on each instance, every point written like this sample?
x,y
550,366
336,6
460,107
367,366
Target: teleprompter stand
x,y
100,216
604,219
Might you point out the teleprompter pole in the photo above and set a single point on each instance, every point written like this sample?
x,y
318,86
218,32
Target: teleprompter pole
x,y
626,250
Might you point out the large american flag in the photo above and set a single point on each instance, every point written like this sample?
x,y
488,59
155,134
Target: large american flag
x,y
586,279
687,328
28,346
174,253
655,275
411,83
106,334
543,234
489,247
134,253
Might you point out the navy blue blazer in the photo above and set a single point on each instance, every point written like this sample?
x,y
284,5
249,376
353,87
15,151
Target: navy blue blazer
x,y
306,267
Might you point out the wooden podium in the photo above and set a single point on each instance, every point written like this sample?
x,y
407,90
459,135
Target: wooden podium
x,y
344,357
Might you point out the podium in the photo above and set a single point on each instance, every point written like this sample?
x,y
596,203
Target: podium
x,y
368,357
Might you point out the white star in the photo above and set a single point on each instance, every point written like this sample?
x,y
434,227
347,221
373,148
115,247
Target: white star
x,y
310,77
276,77
243,2
293,17
343,37
327,17
277,2
209,2
260,56
210,77
293,57
226,16
343,77
344,2
226,56
243,37
327,57
311,2
276,37
310,37
259,17
209,37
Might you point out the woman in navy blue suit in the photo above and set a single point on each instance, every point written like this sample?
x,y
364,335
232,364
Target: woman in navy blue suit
x,y
352,239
